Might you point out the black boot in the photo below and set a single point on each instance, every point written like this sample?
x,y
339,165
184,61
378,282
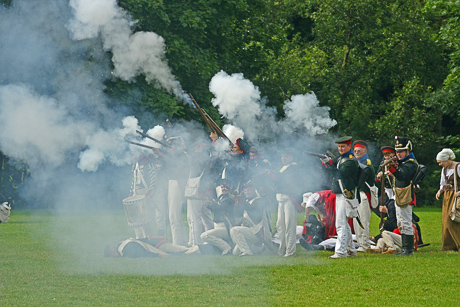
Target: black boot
x,y
310,247
407,245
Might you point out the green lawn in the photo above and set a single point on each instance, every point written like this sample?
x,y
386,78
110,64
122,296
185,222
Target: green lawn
x,y
58,260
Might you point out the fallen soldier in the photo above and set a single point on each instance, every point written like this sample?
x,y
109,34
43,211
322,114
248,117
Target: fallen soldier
x,y
147,248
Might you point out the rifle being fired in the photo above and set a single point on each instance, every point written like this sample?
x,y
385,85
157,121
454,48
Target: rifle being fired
x,y
321,156
209,122
153,139
388,161
142,145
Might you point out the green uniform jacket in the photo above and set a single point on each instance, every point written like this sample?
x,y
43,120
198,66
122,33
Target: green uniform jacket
x,y
405,171
347,172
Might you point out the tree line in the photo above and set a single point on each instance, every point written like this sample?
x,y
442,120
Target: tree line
x,y
385,68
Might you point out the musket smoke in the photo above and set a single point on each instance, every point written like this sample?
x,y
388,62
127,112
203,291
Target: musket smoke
x,y
239,101
133,53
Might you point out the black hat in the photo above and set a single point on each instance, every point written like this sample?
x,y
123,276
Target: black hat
x,y
344,140
360,143
403,143
243,144
387,149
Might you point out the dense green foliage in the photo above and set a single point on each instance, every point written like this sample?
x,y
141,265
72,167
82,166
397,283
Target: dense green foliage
x,y
58,260
384,67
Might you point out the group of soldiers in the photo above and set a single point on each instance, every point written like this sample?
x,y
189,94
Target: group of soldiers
x,y
355,197
230,197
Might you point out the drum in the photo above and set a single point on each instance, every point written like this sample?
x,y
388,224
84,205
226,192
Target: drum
x,y
136,211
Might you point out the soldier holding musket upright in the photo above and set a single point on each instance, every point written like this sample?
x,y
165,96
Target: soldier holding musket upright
x,y
404,171
344,170
386,207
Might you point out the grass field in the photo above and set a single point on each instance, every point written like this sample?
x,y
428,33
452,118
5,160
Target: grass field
x,y
58,260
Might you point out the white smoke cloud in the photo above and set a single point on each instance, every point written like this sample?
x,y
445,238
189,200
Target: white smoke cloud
x,y
239,101
133,53
38,129
303,111
232,132
157,133
236,97
54,114
109,146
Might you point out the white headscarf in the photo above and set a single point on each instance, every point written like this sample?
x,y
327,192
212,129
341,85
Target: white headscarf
x,y
445,154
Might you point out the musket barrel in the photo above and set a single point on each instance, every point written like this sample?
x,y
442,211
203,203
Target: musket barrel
x,y
389,161
209,121
316,155
142,145
153,139
202,113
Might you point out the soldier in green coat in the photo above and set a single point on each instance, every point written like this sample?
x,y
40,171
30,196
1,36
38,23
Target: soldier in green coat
x,y
344,170
404,172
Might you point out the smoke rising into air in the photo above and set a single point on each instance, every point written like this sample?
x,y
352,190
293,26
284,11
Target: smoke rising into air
x,y
240,101
54,115
140,53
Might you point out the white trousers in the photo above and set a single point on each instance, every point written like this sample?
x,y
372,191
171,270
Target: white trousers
x,y
218,237
391,240
160,204
244,240
195,225
364,211
286,225
206,218
404,219
179,234
344,238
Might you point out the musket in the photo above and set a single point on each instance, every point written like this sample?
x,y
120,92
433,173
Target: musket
x,y
316,155
153,139
330,154
217,129
202,113
142,145
388,161
209,121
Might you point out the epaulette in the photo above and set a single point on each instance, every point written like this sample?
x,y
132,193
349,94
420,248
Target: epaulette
x,y
368,162
350,156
